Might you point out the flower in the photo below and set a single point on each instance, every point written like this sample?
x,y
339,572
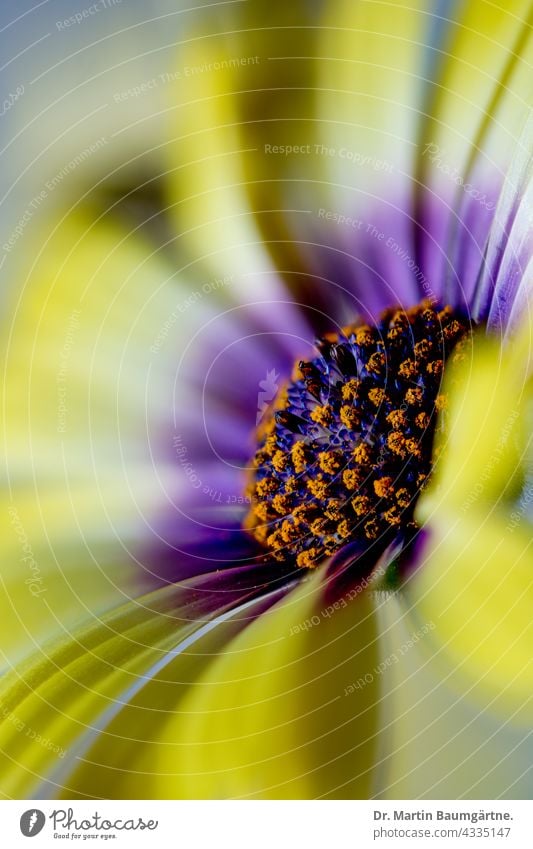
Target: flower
x,y
320,170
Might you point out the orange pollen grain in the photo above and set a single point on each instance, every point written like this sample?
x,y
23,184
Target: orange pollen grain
x,y
291,485
403,497
396,442
397,419
281,504
422,349
408,369
317,527
376,396
279,461
362,505
364,336
350,389
392,517
266,486
372,529
308,559
383,487
361,454
349,417
422,421
414,396
413,447
344,529
318,488
329,462
376,363
289,531
435,367
298,456
261,510
351,478
322,415
334,509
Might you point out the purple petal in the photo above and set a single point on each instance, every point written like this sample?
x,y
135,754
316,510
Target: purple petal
x,y
504,281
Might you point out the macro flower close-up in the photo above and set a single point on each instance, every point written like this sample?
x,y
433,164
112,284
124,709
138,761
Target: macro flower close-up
x,y
267,401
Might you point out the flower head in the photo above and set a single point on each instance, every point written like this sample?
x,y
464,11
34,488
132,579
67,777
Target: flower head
x,y
345,453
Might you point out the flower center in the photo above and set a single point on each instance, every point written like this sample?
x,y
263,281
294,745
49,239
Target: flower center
x,y
347,446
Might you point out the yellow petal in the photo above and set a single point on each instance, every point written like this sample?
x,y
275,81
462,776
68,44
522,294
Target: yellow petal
x,y
83,401
476,584
60,691
110,118
244,161
421,116
371,89
65,697
482,92
476,579
440,743
482,436
280,714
